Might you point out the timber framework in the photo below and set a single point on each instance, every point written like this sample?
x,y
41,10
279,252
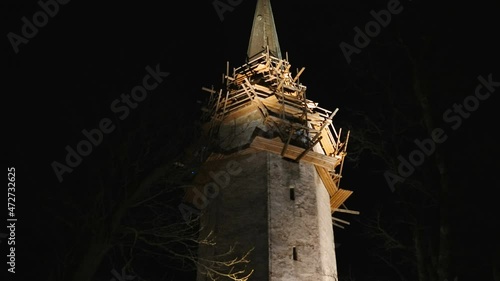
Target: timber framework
x,y
301,130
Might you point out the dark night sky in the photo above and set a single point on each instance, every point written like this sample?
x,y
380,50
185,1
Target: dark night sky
x,y
65,78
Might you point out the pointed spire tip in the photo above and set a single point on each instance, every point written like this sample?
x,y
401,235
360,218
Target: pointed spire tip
x,y
263,32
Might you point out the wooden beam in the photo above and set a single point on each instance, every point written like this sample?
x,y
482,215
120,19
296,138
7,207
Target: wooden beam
x,y
328,182
338,225
273,104
208,90
326,122
346,211
298,74
343,153
278,66
340,220
307,150
225,104
276,146
326,142
292,131
246,90
263,89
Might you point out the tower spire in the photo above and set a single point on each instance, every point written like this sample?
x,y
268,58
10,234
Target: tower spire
x,y
263,31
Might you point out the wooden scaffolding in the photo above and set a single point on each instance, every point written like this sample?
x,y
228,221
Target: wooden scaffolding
x,y
306,131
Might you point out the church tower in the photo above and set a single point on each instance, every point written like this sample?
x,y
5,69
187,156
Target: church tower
x,y
270,183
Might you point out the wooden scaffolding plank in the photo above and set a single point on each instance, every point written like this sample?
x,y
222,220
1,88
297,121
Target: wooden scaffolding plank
x,y
341,220
262,89
274,105
315,118
328,182
292,152
326,143
338,225
347,211
339,197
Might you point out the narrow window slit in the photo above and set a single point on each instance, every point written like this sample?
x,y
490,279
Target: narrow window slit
x,y
294,253
292,193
